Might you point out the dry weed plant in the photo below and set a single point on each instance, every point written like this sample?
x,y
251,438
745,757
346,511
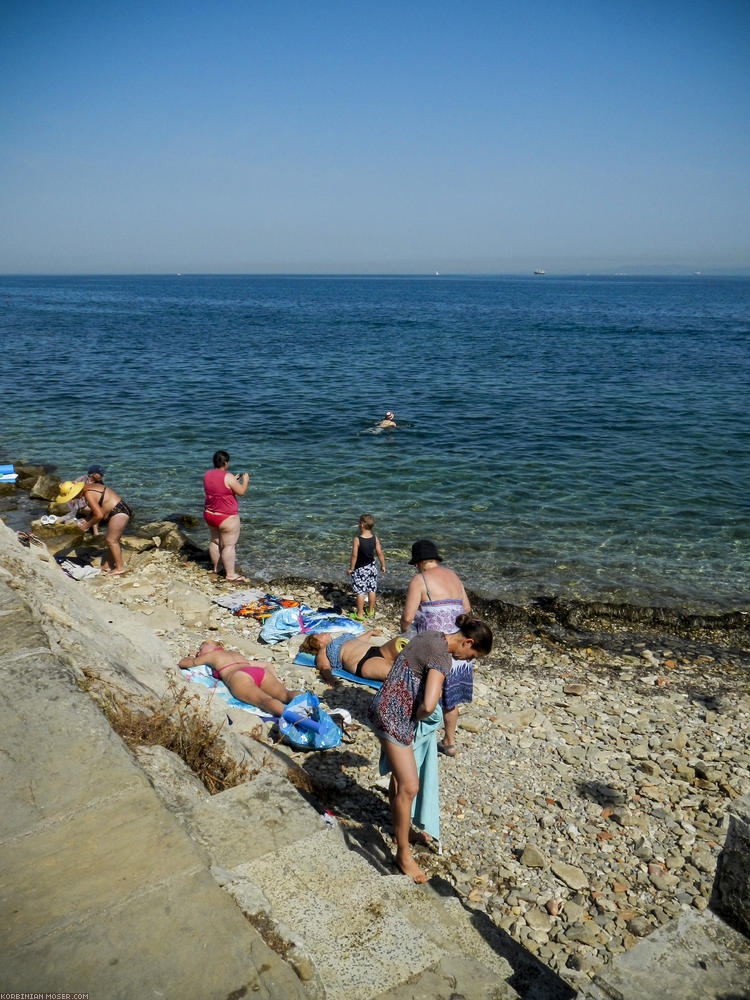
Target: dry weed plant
x,y
177,721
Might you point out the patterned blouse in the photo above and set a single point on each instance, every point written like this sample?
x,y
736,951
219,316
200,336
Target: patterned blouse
x,y
394,707
459,685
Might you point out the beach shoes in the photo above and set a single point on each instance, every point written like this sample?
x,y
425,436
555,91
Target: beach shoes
x,y
343,720
27,539
449,749
341,716
355,617
48,519
370,614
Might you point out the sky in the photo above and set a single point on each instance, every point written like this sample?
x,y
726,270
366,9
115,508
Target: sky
x,y
375,137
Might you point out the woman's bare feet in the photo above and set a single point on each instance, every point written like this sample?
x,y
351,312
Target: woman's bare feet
x,y
419,837
406,863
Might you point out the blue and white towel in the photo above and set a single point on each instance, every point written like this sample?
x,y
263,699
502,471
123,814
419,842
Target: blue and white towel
x,y
201,674
308,660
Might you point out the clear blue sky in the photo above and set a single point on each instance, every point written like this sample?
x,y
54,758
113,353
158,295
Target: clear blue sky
x,y
272,135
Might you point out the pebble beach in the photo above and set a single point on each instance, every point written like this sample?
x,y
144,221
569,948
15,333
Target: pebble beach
x,y
587,802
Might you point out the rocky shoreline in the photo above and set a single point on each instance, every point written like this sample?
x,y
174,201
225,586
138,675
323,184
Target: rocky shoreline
x,y
587,803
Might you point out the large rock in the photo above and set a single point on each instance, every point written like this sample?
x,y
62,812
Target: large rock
x,y
60,509
194,606
63,542
28,475
731,892
46,531
167,532
160,619
102,887
45,488
134,543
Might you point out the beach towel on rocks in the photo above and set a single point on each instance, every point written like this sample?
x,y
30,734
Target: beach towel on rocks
x,y
263,609
202,675
282,624
308,660
286,622
328,621
237,599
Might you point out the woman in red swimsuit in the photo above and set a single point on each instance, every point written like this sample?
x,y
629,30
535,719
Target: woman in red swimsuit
x,y
249,680
221,513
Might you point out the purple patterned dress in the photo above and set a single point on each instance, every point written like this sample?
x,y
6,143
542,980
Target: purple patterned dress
x,y
441,615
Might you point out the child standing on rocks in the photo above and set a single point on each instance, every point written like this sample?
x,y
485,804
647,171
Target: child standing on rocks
x,y
362,567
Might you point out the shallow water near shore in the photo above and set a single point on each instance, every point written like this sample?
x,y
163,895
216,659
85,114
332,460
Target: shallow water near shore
x,y
582,437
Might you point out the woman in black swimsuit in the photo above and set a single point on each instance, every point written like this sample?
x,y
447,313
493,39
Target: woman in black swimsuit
x,y
354,653
106,508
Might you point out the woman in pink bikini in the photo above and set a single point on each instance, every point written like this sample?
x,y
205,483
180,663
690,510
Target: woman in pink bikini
x,y
249,680
222,513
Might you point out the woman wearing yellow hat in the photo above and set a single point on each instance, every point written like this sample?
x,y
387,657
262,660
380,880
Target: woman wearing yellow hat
x,y
71,494
69,490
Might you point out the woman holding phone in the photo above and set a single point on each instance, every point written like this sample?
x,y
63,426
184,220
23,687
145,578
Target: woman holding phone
x,y
222,515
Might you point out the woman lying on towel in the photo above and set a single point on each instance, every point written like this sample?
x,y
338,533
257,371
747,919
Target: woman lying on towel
x,y
249,680
351,652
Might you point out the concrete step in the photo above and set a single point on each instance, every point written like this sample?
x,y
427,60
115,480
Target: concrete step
x,y
101,889
370,932
351,926
696,957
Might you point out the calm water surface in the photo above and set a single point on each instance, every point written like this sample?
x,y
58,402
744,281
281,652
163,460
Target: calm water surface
x,y
576,436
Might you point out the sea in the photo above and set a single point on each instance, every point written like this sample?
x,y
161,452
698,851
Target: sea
x,y
585,438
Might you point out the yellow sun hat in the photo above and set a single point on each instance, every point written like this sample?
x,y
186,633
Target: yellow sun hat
x,y
68,491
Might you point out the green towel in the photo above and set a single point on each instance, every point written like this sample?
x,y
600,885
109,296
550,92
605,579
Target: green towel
x,y
425,809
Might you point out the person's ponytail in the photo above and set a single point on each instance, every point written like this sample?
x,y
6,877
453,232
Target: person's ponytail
x,y
479,633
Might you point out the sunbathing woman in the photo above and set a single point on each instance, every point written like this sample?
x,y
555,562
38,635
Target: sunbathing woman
x,y
351,652
249,680
107,507
411,692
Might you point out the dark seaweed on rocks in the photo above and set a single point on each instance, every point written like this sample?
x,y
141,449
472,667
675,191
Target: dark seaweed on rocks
x,y
620,628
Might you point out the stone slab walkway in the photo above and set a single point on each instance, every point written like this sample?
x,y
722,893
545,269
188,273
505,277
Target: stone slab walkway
x,y
103,892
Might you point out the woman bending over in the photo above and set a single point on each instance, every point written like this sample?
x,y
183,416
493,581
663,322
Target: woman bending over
x,y
107,507
411,692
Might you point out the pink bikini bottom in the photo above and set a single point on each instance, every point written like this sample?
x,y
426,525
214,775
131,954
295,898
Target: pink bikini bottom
x,y
256,673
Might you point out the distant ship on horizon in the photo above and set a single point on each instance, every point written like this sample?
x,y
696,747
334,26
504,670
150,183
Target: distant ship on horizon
x,y
540,270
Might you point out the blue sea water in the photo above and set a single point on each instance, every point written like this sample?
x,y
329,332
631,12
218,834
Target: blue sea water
x,y
584,437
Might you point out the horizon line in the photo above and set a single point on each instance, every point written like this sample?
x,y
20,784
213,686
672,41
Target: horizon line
x,y
742,272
